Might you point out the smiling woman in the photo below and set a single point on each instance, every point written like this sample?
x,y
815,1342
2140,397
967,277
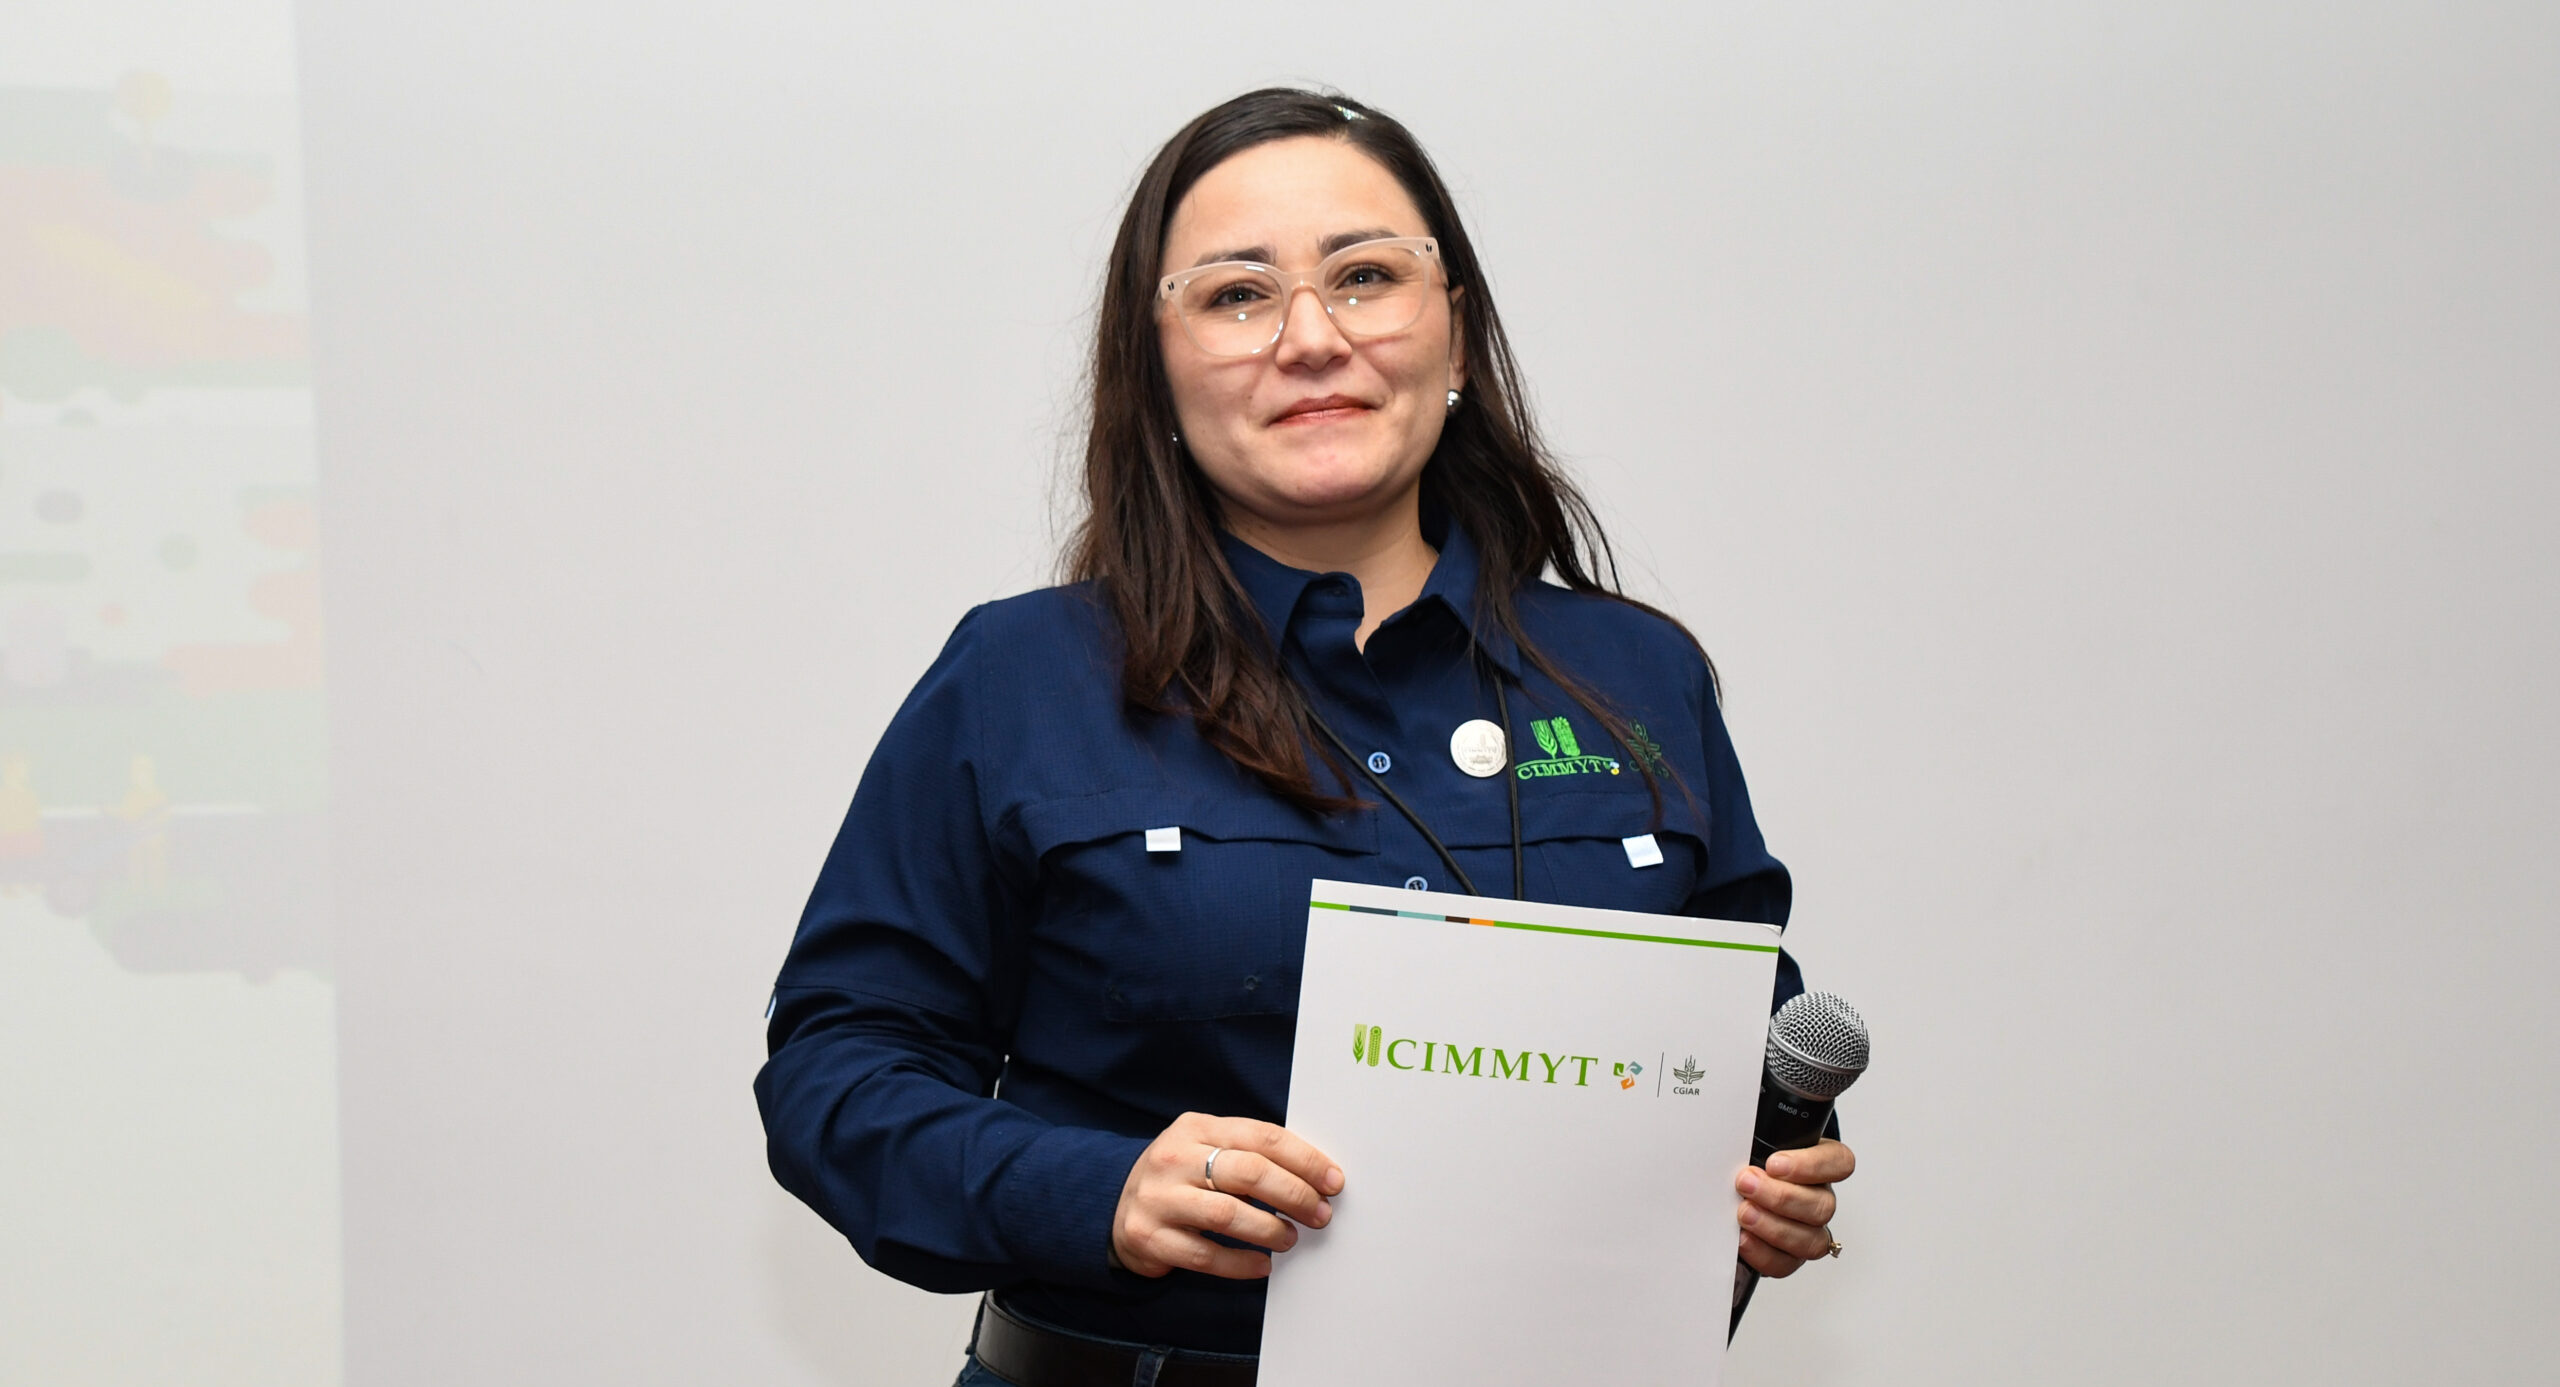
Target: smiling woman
x,y
1305,623
1313,426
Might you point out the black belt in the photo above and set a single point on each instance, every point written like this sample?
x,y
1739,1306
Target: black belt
x,y
1033,1355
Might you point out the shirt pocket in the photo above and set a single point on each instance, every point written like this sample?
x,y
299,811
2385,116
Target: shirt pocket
x,y
1213,930
1582,848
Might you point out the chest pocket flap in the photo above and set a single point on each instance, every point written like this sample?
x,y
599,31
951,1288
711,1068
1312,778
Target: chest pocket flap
x,y
1575,850
1214,929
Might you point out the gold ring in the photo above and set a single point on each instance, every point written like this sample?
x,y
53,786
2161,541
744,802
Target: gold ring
x,y
1835,1248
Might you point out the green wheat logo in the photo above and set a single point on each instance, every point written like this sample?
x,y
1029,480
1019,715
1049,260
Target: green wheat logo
x,y
1372,1044
1564,752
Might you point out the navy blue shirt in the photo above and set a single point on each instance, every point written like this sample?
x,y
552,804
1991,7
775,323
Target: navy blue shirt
x,y
998,996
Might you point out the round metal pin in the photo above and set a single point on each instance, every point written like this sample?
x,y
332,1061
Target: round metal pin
x,y
1479,748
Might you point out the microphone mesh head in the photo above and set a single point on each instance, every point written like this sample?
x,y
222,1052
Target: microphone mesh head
x,y
1817,1046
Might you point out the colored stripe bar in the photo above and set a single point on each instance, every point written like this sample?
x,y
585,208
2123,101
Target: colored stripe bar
x,y
1549,929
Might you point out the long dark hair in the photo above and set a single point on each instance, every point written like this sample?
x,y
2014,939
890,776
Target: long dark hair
x,y
1149,537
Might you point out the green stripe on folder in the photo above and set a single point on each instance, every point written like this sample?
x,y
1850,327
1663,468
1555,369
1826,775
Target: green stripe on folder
x,y
1549,929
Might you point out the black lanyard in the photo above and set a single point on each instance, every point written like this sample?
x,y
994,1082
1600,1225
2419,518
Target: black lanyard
x,y
1502,704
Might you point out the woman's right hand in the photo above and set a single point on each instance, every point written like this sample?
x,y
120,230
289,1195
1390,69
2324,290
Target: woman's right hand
x,y
1168,1206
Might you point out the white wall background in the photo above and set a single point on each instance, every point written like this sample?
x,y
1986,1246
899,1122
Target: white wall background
x,y
2108,447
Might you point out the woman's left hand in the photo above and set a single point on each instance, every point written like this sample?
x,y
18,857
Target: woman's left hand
x,y
1787,1208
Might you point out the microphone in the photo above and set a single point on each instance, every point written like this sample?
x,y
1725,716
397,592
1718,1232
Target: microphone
x,y
1817,1048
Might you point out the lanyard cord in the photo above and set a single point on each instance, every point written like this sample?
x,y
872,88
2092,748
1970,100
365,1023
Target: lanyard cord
x,y
1503,703
1511,779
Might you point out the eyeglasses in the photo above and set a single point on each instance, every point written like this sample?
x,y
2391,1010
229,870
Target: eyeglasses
x,y
1369,289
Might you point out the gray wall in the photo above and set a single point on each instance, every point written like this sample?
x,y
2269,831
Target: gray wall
x,y
2107,447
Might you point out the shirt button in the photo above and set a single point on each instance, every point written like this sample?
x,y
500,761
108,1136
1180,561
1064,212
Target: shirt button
x,y
1416,884
1378,762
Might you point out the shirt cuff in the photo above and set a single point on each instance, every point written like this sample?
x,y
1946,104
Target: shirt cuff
x,y
1056,1200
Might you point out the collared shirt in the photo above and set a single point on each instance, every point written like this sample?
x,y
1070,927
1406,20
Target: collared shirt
x,y
998,994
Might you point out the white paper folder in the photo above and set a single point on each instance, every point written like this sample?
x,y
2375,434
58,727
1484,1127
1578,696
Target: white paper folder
x,y
1539,1111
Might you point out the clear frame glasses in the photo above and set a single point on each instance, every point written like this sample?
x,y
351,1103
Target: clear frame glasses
x,y
1369,289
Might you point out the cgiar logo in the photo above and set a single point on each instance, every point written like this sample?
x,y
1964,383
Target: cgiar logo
x,y
1564,753
1373,1047
1688,1073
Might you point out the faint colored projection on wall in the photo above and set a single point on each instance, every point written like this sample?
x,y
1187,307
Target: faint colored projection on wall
x,y
115,269
163,736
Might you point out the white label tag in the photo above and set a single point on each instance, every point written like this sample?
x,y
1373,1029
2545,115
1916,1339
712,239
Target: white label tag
x,y
1642,851
1164,840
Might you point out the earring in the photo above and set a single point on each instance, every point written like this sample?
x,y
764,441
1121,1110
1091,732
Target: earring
x,y
1453,399
1177,438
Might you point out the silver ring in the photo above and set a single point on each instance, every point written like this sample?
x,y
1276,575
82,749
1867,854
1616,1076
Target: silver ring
x,y
1210,1168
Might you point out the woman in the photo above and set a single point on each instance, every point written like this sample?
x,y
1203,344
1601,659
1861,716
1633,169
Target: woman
x,y
1034,1032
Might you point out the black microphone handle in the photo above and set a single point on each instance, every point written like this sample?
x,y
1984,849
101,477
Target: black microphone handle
x,y
1787,1122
